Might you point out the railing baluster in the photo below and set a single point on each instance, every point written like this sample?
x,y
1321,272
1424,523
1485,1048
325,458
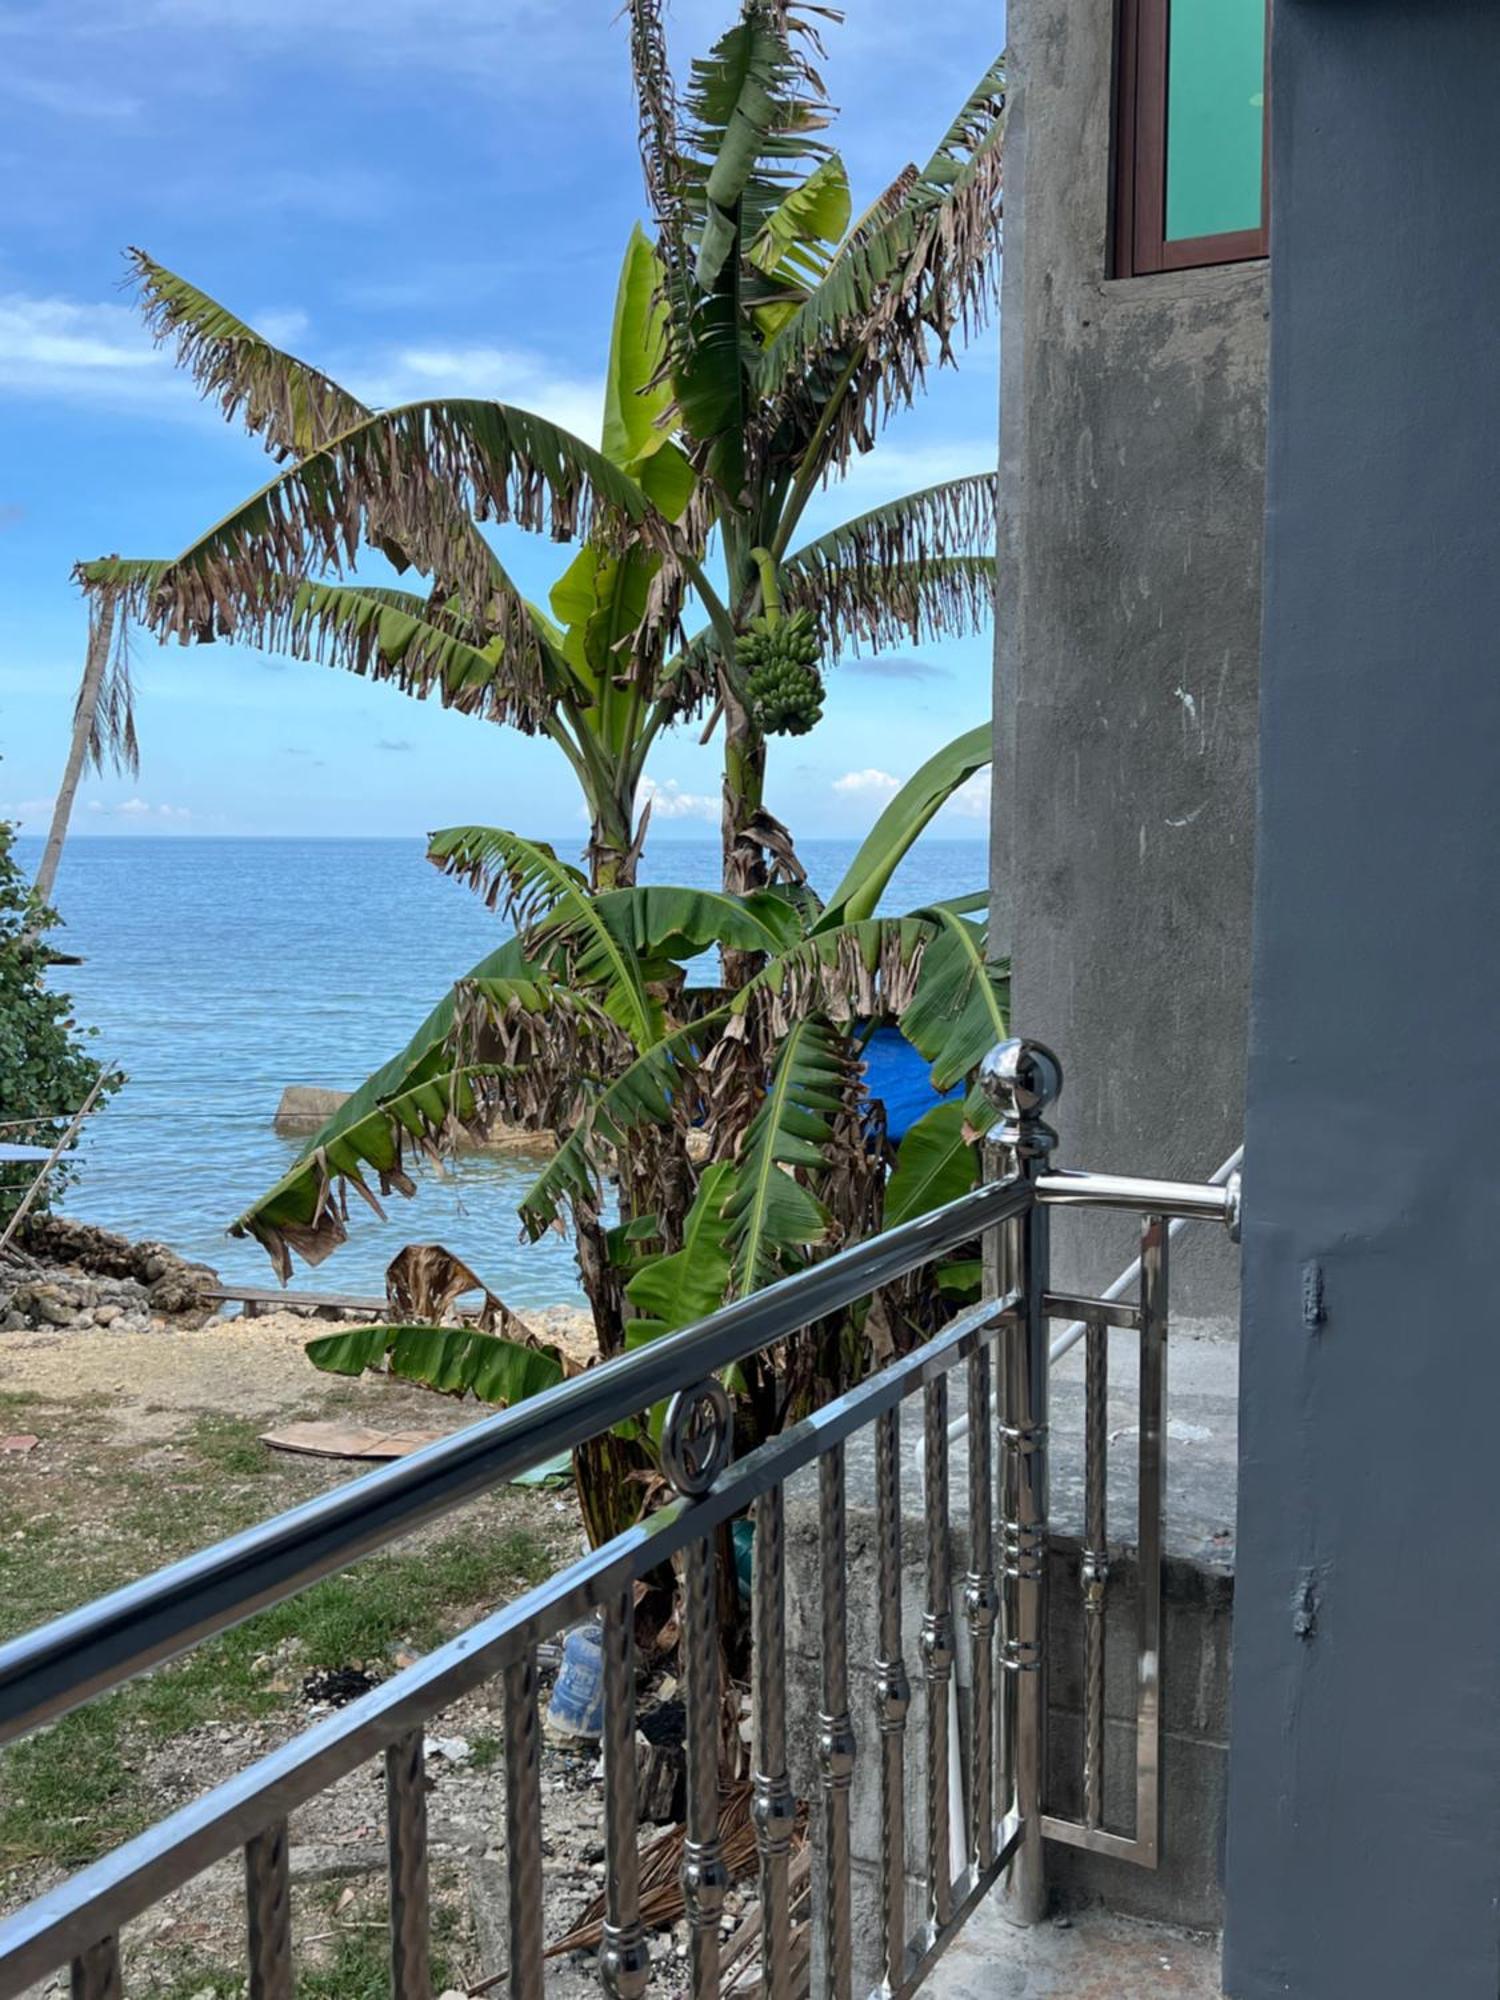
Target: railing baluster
x,y
406,1844
624,1961
96,1972
268,1908
892,1695
705,1879
1095,1572
981,1605
773,1808
937,1653
1021,1079
523,1827
1153,1495
836,1747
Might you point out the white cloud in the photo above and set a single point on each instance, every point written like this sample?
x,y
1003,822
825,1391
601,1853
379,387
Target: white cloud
x,y
27,812
100,353
53,346
670,801
971,800
863,784
507,374
892,470
281,328
139,810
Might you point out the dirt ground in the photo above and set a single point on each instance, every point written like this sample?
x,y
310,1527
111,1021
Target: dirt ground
x,y
148,1446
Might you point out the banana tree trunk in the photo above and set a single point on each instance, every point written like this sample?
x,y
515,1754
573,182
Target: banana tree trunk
x,y
614,853
744,853
610,866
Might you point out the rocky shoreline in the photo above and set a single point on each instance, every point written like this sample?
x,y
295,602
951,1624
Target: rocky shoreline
x,y
65,1274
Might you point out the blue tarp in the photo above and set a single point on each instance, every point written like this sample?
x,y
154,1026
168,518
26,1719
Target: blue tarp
x,y
901,1079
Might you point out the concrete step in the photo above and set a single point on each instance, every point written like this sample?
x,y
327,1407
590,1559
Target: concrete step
x,y
1091,1956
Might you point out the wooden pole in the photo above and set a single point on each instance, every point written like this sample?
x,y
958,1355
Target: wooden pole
x,y
52,1159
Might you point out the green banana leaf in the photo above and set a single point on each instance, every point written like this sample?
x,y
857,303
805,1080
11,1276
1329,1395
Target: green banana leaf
x,y
678,1290
455,1361
959,1010
773,1220
935,1164
891,838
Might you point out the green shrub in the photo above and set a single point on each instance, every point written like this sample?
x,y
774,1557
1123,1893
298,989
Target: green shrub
x,y
46,1069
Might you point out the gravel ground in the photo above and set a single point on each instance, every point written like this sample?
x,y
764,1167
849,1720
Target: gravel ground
x,y
147,1446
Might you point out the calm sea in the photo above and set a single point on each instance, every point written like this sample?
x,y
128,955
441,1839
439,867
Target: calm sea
x,y
218,971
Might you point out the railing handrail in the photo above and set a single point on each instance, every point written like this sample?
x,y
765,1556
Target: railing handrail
x,y
101,1645
123,1883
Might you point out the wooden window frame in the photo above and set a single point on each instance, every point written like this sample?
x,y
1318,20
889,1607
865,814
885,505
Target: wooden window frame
x,y
1140,247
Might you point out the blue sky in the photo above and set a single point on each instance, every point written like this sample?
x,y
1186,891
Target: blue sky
x,y
423,197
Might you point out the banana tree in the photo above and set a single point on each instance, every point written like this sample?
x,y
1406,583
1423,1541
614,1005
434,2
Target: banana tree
x,y
589,677
782,333
589,1022
734,1128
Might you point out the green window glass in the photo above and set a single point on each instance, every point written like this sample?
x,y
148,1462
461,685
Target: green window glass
x,y
1216,66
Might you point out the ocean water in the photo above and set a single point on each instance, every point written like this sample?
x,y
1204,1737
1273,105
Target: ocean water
x,y
217,971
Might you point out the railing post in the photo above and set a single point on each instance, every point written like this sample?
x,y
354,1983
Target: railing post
x,y
1021,1079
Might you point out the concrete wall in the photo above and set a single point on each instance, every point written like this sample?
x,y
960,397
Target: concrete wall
x,y
1364,1832
1132,432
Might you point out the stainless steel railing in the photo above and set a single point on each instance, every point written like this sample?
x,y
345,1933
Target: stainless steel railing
x,y
100,1646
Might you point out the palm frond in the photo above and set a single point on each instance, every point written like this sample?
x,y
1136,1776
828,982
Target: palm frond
x,y
559,922
747,136
656,103
406,477
773,1217
936,1163
920,268
506,1042
661,1087
867,611
962,1003
955,517
453,1360
293,406
918,568
383,635
112,741
864,969
307,1210
753,106
692,674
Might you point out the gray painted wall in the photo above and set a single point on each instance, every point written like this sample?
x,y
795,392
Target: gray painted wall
x,y
1364,1837
1132,439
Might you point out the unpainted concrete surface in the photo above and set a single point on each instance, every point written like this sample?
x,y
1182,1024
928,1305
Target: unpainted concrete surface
x,y
1092,1957
1132,493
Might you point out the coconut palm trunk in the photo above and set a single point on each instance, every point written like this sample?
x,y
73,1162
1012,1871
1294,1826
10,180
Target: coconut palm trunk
x,y
86,719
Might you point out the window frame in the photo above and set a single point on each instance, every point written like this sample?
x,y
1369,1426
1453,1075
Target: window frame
x,y
1139,246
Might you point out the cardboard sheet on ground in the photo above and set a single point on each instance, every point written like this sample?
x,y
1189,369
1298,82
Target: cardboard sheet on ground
x,y
336,1440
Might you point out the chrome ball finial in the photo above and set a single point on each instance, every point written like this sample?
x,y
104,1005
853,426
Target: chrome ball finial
x,y
1020,1079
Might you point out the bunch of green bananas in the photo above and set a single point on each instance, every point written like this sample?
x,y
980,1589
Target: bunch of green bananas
x,y
783,688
